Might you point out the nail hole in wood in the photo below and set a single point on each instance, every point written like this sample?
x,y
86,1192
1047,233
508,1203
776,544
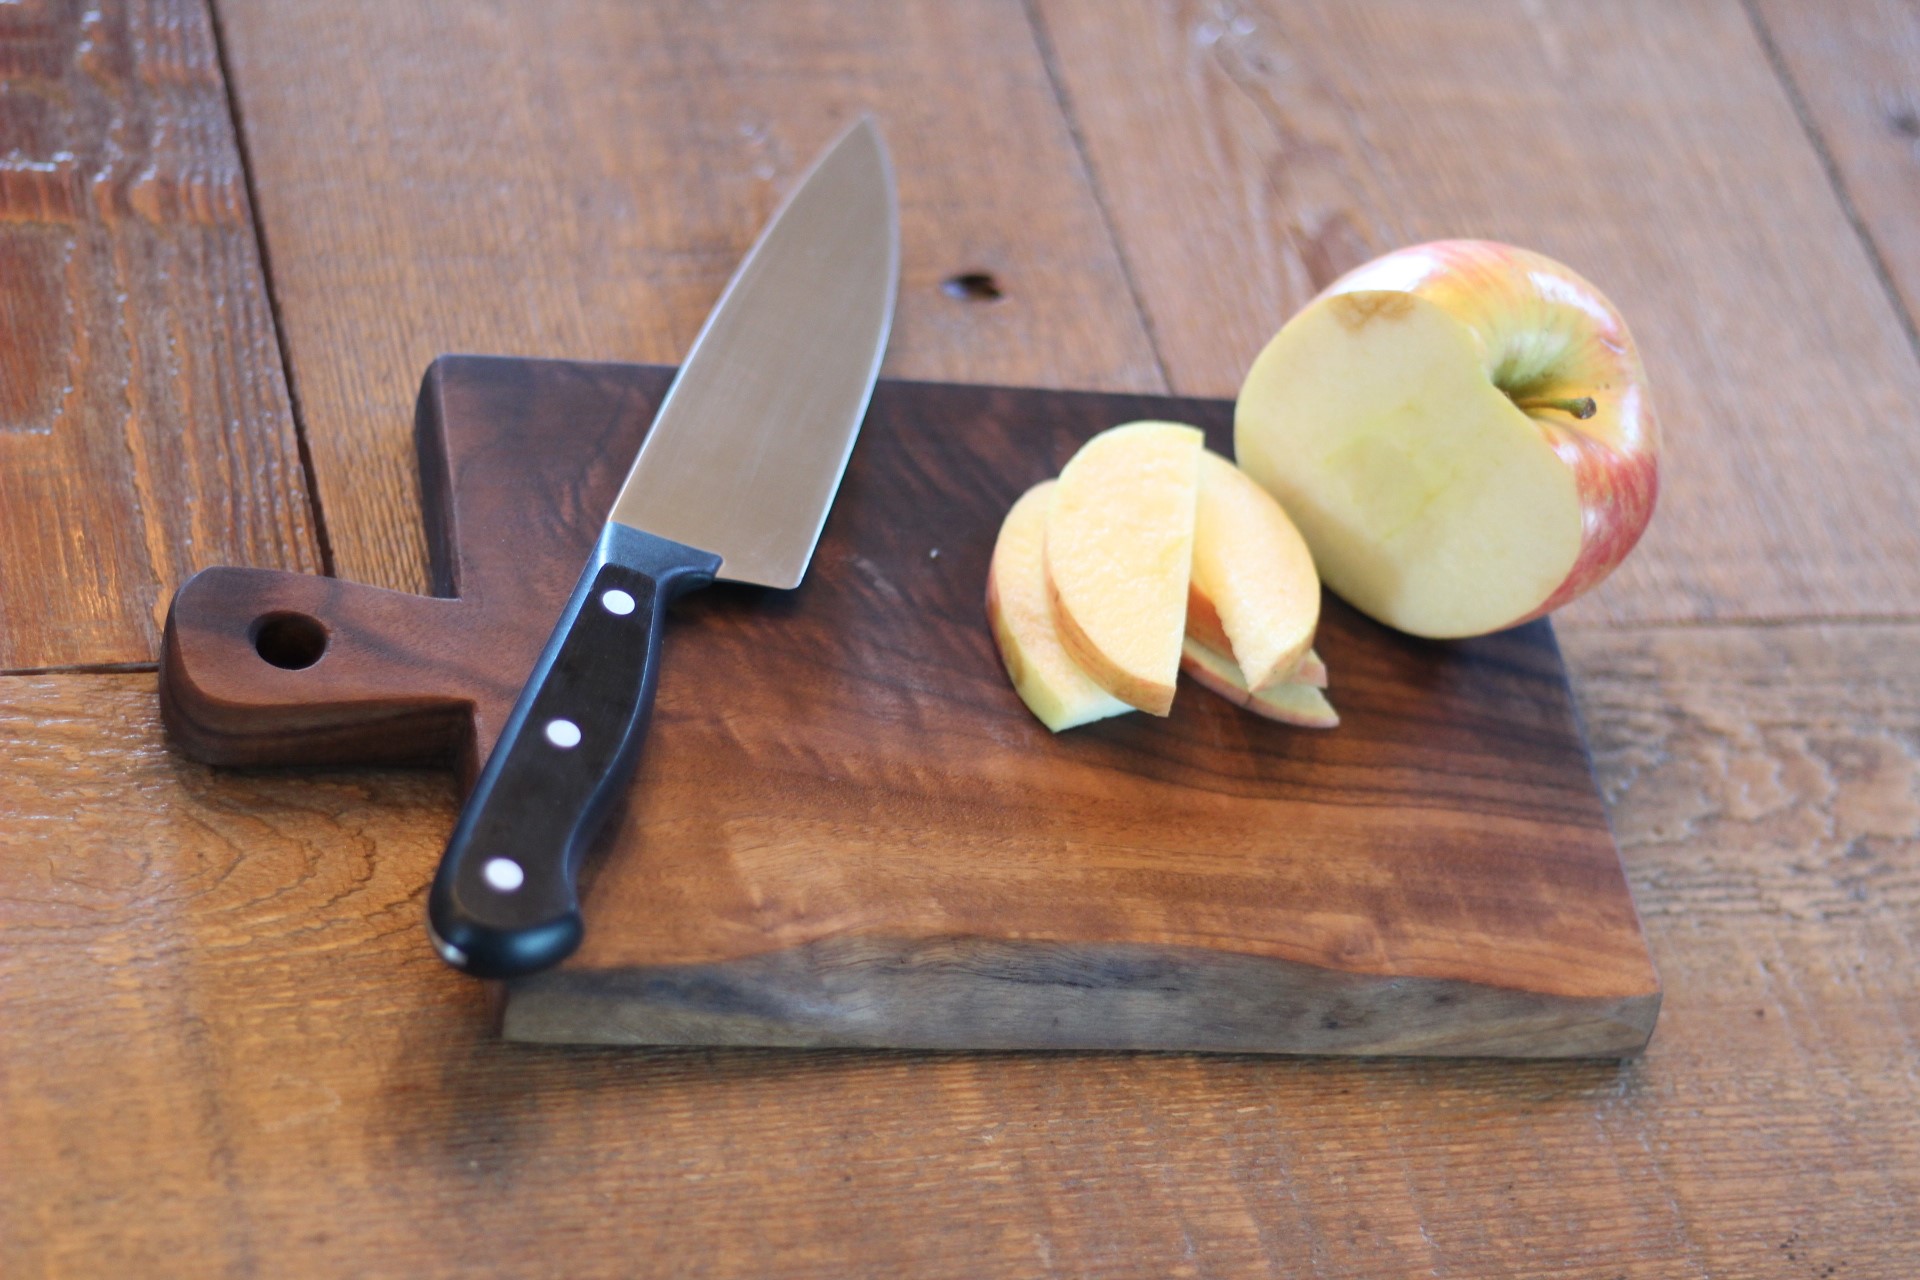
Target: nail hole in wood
x,y
972,286
290,641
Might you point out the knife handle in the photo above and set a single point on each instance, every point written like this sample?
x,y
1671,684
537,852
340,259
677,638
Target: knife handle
x,y
505,901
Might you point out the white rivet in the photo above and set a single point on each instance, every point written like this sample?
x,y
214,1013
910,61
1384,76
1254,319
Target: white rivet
x,y
617,601
563,733
504,874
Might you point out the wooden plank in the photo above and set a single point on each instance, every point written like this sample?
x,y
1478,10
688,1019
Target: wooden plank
x,y
846,829
207,972
1250,152
580,179
144,426
1854,69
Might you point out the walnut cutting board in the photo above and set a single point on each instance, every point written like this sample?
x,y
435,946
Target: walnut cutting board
x,y
846,830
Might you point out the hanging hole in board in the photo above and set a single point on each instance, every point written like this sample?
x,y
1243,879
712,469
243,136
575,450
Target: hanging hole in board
x,y
290,641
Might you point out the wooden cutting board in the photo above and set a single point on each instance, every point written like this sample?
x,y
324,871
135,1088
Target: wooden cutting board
x,y
846,830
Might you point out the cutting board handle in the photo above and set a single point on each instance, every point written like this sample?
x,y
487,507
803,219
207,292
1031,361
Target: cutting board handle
x,y
259,667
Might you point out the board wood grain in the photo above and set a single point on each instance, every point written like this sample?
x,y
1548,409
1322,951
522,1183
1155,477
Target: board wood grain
x,y
846,830
144,424
607,168
1250,152
222,1040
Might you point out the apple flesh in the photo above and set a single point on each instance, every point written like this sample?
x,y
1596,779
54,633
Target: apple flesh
x,y
1254,594
1462,433
1119,555
1294,703
1310,671
1020,613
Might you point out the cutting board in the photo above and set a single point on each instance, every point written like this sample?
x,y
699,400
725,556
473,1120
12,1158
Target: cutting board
x,y
846,830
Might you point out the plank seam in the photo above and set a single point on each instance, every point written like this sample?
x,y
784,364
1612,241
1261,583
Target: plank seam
x,y
1835,180
243,144
82,669
1043,41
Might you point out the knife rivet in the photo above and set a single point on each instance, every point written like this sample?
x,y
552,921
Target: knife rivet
x,y
564,734
504,874
617,601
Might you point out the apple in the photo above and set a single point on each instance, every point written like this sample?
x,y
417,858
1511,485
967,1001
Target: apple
x,y
1119,555
1462,432
1254,594
1020,612
1312,670
1293,703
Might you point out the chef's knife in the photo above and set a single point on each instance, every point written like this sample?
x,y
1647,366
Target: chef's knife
x,y
734,481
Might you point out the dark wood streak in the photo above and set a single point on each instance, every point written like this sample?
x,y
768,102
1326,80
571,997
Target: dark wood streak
x,y
842,771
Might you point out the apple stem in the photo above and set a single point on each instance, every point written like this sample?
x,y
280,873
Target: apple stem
x,y
1581,407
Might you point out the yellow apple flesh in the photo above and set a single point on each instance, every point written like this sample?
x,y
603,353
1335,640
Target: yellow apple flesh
x,y
1254,594
1119,555
1294,703
1020,612
1462,433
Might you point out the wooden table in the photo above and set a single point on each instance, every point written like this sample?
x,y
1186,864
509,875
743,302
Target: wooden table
x,y
233,234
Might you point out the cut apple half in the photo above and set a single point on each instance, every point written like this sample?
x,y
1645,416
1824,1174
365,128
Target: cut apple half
x,y
1462,433
1119,557
1295,703
1020,612
1254,594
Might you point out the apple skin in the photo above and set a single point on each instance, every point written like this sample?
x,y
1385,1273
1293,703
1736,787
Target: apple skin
x,y
1541,329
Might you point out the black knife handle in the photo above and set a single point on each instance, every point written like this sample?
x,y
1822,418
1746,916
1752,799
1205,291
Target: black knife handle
x,y
505,900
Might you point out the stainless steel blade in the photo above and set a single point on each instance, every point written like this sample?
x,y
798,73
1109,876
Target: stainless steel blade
x,y
747,451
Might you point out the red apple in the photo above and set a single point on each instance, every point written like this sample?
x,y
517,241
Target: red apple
x,y
1461,431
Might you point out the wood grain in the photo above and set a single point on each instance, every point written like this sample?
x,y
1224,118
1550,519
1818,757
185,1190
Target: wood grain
x,y
222,1038
846,830
144,427
606,169
1249,152
1855,71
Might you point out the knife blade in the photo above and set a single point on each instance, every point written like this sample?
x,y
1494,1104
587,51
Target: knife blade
x,y
734,480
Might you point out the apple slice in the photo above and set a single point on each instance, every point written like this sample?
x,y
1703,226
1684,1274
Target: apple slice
x,y
1119,554
1254,594
1461,431
1297,704
1021,614
1203,624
